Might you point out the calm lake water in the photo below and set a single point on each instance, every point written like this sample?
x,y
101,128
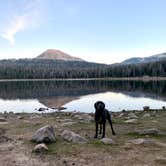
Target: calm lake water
x,y
80,95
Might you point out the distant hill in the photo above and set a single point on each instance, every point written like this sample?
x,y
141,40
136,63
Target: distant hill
x,y
54,54
153,58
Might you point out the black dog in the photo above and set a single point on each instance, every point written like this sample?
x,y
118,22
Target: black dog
x,y
101,115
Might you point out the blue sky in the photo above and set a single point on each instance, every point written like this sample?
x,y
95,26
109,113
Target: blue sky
x,y
106,31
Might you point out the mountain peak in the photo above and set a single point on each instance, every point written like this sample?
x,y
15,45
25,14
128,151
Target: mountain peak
x,y
55,54
138,60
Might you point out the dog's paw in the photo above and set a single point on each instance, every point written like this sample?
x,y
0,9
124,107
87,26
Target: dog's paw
x,y
95,136
113,133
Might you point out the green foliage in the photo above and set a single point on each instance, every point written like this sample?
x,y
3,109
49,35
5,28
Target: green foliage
x,y
45,69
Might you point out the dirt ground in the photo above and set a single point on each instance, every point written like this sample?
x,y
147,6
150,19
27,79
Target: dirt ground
x,y
16,148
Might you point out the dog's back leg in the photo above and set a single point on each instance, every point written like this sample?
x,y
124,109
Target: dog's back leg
x,y
110,122
103,135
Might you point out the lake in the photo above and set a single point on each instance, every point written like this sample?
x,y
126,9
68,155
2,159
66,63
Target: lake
x,y
80,95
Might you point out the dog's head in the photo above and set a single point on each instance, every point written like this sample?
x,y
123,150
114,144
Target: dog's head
x,y
99,105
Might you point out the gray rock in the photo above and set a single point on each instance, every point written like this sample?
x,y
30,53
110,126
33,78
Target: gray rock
x,y
5,139
160,159
35,116
107,141
152,131
64,120
4,123
68,124
40,148
163,145
147,115
73,137
140,141
2,119
146,108
42,109
132,115
154,113
45,134
84,117
2,131
121,115
20,117
131,121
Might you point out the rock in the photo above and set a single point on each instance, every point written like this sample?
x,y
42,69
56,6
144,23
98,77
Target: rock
x,y
2,119
121,115
140,141
160,160
4,123
154,113
45,134
131,121
132,115
107,141
42,109
147,115
152,131
84,117
40,148
64,120
20,117
61,108
163,145
4,139
146,108
35,116
2,131
73,137
68,124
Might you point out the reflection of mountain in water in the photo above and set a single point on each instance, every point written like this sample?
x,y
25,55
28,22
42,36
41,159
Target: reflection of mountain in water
x,y
57,101
57,93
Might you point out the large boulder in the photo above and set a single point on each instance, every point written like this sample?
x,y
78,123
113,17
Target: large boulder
x,y
45,134
73,137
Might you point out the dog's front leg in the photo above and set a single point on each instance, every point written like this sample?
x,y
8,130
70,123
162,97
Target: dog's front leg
x,y
103,135
96,130
100,132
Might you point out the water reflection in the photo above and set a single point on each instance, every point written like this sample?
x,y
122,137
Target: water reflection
x,y
58,93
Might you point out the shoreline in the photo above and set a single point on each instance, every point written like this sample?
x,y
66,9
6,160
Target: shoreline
x,y
90,113
146,78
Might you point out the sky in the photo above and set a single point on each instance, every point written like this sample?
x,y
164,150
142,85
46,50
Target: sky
x,y
103,31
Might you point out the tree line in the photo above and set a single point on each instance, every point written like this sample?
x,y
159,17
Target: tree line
x,y
44,69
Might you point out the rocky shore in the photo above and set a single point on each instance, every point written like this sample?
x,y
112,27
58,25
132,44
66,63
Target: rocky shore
x,y
66,139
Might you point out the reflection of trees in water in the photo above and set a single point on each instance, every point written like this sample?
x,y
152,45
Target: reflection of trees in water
x,y
49,89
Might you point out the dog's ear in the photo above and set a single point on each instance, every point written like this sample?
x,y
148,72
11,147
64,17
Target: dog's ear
x,y
95,105
103,105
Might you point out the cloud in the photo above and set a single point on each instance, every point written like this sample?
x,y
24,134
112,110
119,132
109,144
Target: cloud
x,y
24,16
